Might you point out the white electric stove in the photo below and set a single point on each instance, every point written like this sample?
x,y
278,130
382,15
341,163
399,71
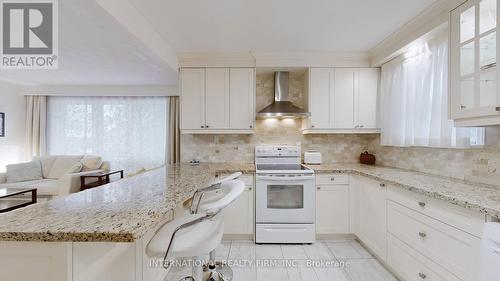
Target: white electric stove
x,y
285,196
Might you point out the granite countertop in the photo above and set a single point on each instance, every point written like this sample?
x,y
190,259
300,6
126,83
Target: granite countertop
x,y
126,210
122,211
474,196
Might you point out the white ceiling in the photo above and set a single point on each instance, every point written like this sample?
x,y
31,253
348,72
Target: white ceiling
x,y
96,49
277,25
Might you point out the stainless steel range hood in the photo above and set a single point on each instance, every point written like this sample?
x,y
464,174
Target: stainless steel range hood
x,y
282,107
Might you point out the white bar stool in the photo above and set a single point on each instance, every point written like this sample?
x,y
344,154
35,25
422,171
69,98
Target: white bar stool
x,y
194,235
217,193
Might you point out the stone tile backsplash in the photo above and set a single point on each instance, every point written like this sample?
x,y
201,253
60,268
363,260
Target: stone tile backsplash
x,y
240,148
474,164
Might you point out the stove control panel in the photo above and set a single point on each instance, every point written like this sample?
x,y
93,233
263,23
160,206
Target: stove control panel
x,y
277,151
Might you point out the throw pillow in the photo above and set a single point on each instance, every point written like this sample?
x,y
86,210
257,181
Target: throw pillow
x,y
24,172
62,165
75,168
91,163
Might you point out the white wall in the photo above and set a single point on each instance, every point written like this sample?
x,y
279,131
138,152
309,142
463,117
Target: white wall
x,y
12,103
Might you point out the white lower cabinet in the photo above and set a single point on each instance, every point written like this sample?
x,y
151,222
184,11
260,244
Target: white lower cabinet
x,y
412,266
332,204
437,231
372,215
239,216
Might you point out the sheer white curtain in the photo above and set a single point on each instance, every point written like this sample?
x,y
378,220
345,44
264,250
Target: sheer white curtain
x,y
414,101
130,132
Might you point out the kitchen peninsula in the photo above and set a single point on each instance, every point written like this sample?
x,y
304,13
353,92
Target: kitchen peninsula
x,y
101,231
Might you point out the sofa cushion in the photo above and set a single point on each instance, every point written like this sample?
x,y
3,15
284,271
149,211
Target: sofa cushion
x,y
44,186
24,172
91,163
62,165
47,163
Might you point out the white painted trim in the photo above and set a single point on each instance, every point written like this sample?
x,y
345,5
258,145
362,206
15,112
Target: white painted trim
x,y
435,15
221,131
101,90
310,59
347,236
125,13
478,122
216,60
340,131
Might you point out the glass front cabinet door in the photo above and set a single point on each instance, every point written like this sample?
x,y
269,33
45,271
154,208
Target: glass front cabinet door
x,y
475,98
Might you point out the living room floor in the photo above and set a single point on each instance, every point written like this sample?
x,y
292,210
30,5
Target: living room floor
x,y
321,261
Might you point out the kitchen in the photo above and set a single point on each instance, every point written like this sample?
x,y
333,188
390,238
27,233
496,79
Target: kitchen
x,y
322,166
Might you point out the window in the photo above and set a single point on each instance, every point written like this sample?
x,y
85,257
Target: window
x,y
130,132
414,101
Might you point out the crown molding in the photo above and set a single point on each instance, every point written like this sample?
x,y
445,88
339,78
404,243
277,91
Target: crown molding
x,y
216,60
310,59
273,59
432,17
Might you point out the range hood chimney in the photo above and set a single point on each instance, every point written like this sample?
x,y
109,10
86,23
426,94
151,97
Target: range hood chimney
x,y
282,107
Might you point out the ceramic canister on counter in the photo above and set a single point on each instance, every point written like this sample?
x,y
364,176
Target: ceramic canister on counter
x,y
367,158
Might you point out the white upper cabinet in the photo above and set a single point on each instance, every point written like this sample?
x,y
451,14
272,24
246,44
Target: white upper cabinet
x,y
343,100
366,98
242,100
343,109
474,99
321,83
217,100
193,99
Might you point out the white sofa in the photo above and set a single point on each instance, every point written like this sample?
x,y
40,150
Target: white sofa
x,y
56,181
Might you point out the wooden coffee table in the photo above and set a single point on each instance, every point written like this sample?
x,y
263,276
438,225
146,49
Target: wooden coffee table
x,y
7,205
102,179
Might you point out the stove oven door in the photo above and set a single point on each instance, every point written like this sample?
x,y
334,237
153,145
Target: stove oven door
x,y
286,198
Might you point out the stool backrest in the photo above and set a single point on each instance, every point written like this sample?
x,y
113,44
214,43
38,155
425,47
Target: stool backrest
x,y
232,176
232,190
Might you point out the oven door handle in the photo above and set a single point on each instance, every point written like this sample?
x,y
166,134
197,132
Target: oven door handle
x,y
286,178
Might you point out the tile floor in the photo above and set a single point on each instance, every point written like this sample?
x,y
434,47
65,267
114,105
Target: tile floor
x,y
344,260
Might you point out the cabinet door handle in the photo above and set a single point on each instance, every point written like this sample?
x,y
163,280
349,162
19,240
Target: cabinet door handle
x,y
249,188
361,126
463,106
497,108
206,126
251,126
382,185
422,234
312,126
202,127
318,188
422,276
421,204
332,179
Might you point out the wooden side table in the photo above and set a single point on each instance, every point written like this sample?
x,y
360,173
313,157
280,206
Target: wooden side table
x,y
7,205
102,179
